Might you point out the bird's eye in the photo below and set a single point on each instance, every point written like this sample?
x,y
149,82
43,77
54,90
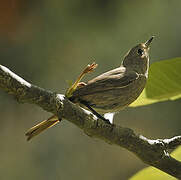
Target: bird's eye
x,y
140,52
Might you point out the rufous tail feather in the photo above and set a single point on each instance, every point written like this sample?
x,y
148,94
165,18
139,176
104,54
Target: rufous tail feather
x,y
37,129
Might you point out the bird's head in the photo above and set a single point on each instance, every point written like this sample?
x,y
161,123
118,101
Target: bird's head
x,y
137,58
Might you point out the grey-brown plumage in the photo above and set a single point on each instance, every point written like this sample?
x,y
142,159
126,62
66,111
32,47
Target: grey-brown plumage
x,y
116,89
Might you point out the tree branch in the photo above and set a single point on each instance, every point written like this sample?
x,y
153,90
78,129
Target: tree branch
x,y
152,152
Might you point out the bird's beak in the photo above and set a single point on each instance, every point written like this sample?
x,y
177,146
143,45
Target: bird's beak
x,y
148,42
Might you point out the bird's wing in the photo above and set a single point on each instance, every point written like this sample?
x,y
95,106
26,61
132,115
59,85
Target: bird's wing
x,y
117,78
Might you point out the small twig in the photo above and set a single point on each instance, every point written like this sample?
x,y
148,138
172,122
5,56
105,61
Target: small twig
x,y
152,152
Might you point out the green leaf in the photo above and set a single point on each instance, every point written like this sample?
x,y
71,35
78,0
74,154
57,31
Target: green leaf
x,y
164,83
152,173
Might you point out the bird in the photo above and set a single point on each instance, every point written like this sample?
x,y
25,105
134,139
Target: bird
x,y
109,92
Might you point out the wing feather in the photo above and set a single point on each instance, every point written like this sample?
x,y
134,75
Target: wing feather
x,y
117,78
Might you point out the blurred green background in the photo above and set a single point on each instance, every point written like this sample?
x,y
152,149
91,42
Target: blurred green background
x,y
48,43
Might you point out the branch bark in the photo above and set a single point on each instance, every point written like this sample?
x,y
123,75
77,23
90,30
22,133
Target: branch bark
x,y
152,152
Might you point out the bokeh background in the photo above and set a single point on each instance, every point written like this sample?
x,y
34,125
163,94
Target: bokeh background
x,y
48,43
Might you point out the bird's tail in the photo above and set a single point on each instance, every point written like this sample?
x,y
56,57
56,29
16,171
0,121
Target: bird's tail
x,y
37,129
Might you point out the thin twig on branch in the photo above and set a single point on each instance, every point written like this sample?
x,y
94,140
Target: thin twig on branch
x,y
152,152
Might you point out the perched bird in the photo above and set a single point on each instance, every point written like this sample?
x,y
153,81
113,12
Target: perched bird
x,y
111,91
116,89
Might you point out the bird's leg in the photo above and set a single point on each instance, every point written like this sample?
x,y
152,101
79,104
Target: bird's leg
x,y
77,83
95,112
